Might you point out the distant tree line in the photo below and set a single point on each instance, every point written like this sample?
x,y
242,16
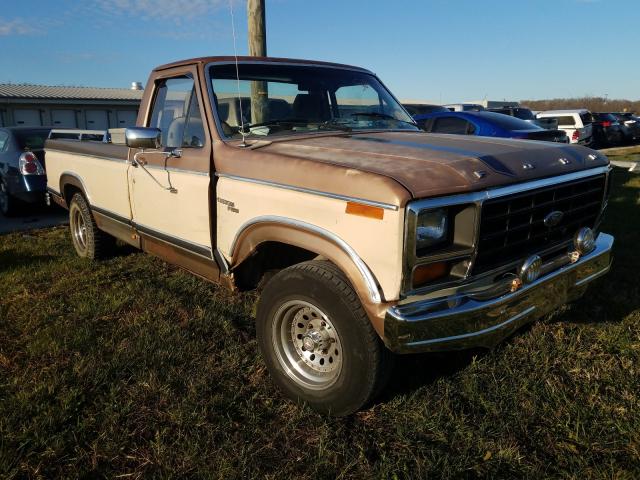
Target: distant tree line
x,y
594,104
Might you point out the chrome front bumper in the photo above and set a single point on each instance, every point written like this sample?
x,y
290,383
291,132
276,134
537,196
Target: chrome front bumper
x,y
465,321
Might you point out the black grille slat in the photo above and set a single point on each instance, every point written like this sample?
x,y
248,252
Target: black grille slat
x,y
539,222
545,205
512,227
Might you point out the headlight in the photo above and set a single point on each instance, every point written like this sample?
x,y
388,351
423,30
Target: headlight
x,y
432,228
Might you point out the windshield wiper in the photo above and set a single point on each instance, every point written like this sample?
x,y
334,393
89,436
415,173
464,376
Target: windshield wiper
x,y
334,125
271,123
386,116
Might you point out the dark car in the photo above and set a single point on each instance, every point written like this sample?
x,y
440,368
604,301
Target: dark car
x,y
607,130
423,108
527,115
487,124
22,173
631,123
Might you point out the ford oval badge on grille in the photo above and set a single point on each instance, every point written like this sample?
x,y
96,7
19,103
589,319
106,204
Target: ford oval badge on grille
x,y
552,219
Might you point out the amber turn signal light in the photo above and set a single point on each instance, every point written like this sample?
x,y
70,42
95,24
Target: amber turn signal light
x,y
426,273
362,210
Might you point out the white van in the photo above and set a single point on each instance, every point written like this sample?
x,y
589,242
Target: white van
x,y
464,107
576,123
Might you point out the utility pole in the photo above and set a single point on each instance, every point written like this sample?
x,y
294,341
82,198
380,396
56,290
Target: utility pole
x,y
257,28
256,18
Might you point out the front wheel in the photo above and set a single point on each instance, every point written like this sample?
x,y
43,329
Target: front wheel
x,y
317,341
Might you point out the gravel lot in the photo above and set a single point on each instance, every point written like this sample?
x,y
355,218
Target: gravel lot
x,y
33,218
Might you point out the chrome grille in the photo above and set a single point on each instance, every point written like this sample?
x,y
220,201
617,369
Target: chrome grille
x,y
512,227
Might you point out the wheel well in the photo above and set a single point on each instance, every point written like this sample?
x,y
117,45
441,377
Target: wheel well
x,y
69,191
267,259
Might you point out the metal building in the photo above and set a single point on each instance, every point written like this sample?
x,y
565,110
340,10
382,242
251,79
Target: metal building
x,y
69,107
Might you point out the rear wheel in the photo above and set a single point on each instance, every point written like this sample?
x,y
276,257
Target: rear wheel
x,y
317,341
89,241
8,204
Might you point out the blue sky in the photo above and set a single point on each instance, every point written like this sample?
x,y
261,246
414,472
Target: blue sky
x,y
436,50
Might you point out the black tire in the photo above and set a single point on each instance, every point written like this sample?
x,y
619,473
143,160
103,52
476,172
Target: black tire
x,y
89,241
320,291
8,204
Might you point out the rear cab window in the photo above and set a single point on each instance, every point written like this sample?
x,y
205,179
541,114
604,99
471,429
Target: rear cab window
x,y
564,120
505,121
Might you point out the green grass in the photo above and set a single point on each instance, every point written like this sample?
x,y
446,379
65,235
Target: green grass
x,y
624,154
131,368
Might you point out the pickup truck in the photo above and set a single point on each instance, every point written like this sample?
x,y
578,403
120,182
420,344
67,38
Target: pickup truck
x,y
365,236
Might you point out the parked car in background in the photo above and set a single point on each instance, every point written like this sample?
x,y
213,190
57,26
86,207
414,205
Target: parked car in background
x,y
22,174
608,131
422,108
631,122
577,124
464,107
527,115
487,124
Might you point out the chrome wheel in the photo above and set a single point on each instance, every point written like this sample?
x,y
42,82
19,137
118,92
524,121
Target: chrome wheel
x,y
307,345
78,228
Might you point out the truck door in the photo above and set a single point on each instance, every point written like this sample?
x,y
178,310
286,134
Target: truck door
x,y
169,189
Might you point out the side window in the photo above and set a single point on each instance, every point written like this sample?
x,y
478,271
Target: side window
x,y
194,130
177,114
450,125
4,141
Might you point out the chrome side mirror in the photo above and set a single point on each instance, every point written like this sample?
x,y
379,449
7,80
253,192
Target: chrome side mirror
x,y
143,137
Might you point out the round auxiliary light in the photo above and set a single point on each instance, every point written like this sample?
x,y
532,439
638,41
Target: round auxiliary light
x,y
584,240
530,269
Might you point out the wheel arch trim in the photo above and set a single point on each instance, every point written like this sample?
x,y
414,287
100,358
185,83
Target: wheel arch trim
x,y
70,178
274,228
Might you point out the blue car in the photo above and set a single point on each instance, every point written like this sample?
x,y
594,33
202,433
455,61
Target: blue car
x,y
22,174
486,124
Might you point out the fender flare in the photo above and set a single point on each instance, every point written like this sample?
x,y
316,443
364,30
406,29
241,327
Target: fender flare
x,y
310,237
70,178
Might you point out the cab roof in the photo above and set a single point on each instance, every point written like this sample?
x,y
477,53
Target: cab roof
x,y
244,59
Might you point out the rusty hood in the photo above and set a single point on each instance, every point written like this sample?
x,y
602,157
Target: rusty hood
x,y
435,164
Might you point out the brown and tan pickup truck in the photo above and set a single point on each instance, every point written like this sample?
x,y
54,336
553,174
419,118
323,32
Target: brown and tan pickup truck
x,y
365,236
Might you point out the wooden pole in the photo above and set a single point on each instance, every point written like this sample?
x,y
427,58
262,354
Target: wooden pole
x,y
257,28
256,17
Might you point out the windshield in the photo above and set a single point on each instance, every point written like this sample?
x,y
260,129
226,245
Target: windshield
x,y
276,99
31,139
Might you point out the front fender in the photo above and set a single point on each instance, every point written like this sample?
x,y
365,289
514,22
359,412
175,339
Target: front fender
x,y
309,237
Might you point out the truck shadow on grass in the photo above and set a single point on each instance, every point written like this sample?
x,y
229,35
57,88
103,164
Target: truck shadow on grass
x,y
123,249
411,372
12,259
